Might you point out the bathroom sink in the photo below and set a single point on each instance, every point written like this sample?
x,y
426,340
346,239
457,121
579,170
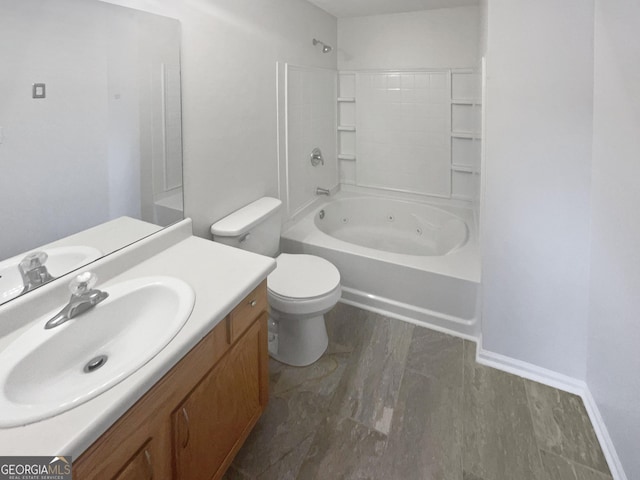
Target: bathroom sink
x,y
46,372
60,261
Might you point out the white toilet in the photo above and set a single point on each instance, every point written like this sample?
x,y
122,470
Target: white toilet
x,y
301,289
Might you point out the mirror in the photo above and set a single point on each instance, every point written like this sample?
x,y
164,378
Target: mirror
x,y
90,132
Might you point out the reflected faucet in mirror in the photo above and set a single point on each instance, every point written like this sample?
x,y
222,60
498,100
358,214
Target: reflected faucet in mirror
x,y
33,271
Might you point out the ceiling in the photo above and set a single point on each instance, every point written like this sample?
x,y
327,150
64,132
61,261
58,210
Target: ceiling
x,y
361,8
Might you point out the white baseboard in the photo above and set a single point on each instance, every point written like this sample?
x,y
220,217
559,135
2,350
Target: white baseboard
x,y
561,382
529,371
603,436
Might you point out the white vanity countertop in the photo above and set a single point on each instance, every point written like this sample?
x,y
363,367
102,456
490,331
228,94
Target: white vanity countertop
x,y
221,277
109,236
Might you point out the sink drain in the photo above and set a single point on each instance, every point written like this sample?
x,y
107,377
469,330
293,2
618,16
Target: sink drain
x,y
95,363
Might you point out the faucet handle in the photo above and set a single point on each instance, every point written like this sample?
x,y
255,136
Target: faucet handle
x,y
83,283
316,157
32,261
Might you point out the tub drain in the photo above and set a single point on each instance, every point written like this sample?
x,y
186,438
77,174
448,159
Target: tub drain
x,y
95,363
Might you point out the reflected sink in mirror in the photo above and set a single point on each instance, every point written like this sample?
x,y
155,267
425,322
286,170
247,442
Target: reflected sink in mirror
x,y
46,372
60,261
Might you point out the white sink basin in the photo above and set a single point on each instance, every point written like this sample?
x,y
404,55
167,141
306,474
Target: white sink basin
x,y
61,261
42,373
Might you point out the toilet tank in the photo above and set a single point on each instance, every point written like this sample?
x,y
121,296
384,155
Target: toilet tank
x,y
255,227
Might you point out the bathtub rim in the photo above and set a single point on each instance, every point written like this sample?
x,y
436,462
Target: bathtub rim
x,y
449,246
462,263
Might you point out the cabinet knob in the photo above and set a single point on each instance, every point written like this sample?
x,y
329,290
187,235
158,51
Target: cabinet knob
x,y
253,303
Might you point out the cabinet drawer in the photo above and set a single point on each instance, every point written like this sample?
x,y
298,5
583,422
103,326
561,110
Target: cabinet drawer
x,y
247,311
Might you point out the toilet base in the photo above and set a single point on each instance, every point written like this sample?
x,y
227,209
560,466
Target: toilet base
x,y
301,341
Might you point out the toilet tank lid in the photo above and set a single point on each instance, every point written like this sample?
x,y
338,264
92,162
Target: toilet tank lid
x,y
244,219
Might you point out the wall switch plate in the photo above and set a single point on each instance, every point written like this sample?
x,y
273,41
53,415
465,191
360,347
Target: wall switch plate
x,y
39,90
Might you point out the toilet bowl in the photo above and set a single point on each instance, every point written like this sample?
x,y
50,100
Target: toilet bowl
x,y
300,290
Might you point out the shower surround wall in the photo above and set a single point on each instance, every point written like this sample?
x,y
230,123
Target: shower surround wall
x,y
411,131
409,102
310,123
402,132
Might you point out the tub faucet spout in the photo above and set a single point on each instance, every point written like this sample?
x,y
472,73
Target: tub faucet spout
x,y
323,191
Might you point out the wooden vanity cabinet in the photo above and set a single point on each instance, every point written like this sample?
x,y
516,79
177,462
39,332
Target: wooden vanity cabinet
x,y
194,420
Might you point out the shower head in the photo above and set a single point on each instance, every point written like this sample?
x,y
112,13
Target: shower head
x,y
325,48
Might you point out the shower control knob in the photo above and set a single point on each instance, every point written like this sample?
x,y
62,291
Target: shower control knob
x,y
316,157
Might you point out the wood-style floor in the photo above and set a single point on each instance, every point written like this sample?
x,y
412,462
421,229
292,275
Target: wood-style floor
x,y
390,400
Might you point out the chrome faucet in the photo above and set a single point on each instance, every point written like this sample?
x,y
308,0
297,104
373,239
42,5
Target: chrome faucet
x,y
316,157
323,191
83,298
33,271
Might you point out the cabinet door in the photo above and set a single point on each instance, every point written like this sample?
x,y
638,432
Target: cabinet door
x,y
219,413
129,461
140,466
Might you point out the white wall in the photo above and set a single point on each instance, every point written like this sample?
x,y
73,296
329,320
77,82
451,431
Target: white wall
x,y
535,231
484,27
442,38
229,55
614,320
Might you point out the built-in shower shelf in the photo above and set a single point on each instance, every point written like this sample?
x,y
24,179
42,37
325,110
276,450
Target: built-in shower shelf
x,y
346,120
470,135
466,101
463,168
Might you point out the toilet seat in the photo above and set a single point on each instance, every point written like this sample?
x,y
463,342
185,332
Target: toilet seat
x,y
302,277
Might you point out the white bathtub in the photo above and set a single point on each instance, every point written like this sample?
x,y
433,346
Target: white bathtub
x,y
414,261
